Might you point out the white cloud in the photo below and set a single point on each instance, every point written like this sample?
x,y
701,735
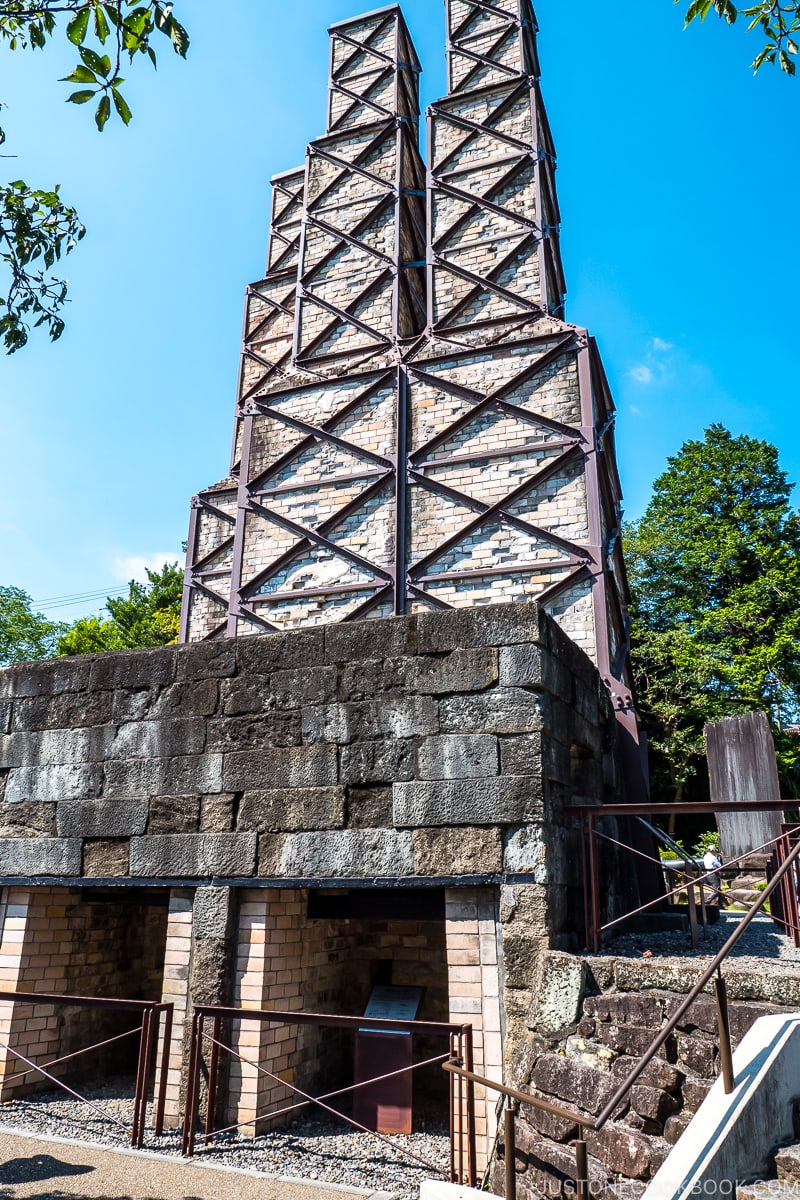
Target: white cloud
x,y
659,346
134,566
641,374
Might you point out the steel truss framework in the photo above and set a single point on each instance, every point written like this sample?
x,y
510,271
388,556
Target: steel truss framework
x,y
380,290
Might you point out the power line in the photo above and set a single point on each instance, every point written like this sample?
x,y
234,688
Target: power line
x,y
79,598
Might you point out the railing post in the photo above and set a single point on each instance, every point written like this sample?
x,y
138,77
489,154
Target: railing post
x,y
692,915
723,1024
140,1092
511,1152
213,1076
581,1170
594,880
164,1069
469,1061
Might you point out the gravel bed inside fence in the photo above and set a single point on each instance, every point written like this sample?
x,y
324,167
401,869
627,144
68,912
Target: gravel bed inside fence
x,y
762,947
316,1147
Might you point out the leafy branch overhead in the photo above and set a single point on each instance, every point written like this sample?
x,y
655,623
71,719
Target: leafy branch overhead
x,y
36,227
779,23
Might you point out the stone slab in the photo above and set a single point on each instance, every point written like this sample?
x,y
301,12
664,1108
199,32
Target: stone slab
x,y
292,767
40,856
102,818
501,801
338,854
178,855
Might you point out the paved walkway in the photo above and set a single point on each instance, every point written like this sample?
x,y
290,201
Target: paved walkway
x,y
36,1168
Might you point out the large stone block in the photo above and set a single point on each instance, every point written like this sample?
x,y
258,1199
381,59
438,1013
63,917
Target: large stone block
x,y
102,818
460,671
622,1150
189,698
174,814
133,669
500,801
457,852
65,710
584,1087
161,776
268,729
40,856
338,854
70,781
292,809
535,668
55,747
557,993
303,685
159,739
189,855
27,820
211,912
501,710
207,660
105,858
521,754
386,761
525,851
295,767
400,717
458,756
280,651
493,625
48,678
352,641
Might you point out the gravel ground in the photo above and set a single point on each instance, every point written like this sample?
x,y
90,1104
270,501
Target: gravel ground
x,y
311,1147
762,948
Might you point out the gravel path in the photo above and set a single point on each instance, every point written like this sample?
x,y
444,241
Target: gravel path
x,y
762,947
316,1148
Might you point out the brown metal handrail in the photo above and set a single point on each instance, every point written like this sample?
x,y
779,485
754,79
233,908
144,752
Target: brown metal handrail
x,y
460,1051
151,1012
597,1123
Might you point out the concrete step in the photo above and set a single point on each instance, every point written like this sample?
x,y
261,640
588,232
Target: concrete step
x,y
787,1164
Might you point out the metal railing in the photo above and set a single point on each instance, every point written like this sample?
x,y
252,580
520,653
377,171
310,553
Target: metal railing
x,y
591,814
463,1155
151,1015
785,871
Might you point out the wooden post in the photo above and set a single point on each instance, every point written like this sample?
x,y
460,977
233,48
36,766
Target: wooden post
x,y
742,767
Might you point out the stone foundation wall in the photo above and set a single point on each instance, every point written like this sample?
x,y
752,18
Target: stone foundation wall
x,y
612,1010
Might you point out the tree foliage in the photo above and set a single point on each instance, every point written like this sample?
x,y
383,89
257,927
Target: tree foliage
x,y
24,634
148,616
778,23
715,572
36,227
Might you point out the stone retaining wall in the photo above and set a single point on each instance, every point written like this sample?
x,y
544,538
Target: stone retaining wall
x,y
611,1010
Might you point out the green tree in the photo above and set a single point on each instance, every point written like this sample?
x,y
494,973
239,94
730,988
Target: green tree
x,y
148,616
715,573
36,226
24,634
779,24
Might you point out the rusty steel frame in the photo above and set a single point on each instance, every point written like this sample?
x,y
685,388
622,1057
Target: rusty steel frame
x,y
460,1052
151,1013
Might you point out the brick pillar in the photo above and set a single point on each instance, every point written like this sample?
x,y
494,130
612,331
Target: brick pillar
x,y
268,975
474,987
175,990
35,947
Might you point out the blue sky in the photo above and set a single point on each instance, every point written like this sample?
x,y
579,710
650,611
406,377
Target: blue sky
x,y
678,175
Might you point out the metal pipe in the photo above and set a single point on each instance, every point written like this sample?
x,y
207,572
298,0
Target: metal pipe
x,y
581,1170
723,1025
161,1097
511,1153
469,1063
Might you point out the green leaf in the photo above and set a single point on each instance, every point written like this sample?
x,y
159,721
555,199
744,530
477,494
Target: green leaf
x,y
76,30
121,106
80,75
101,24
103,112
100,66
180,38
80,97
